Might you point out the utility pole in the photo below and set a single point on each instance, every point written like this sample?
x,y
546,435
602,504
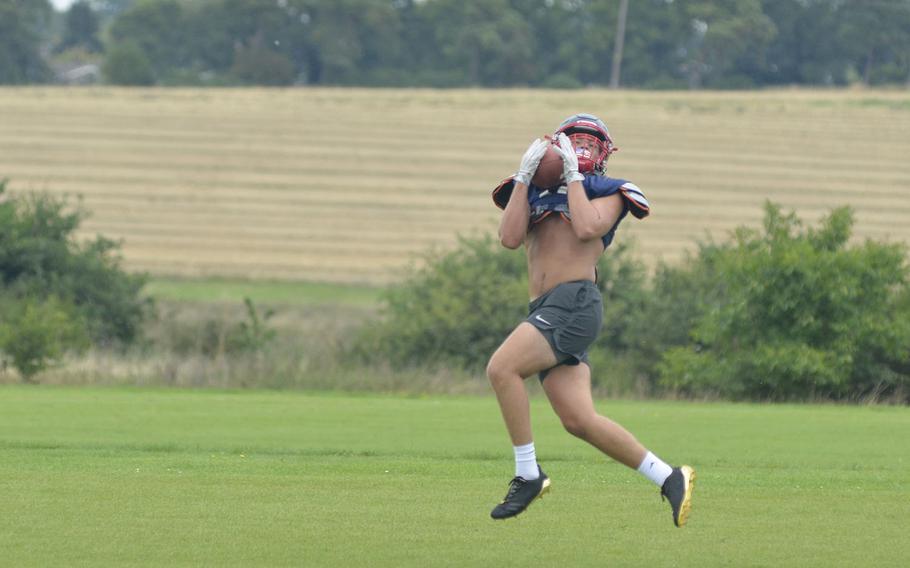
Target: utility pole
x,y
618,45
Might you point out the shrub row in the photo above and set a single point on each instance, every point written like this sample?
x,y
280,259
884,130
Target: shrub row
x,y
783,312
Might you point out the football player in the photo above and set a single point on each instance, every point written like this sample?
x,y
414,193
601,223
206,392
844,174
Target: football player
x,y
565,229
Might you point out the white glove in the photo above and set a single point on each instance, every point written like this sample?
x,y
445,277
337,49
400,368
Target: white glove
x,y
531,160
569,159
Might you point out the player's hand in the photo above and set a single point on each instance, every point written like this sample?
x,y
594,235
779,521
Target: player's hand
x,y
531,160
570,171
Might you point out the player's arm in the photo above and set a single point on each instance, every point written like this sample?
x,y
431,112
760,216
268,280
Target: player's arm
x,y
590,219
513,227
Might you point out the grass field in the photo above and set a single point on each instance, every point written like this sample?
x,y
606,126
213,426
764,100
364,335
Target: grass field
x,y
347,185
181,477
286,293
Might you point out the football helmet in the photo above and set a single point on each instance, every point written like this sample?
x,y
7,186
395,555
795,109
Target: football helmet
x,y
586,131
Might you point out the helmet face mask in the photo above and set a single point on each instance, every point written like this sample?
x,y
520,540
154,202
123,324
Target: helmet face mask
x,y
591,139
589,149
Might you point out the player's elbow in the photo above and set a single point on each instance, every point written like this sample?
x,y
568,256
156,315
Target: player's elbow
x,y
511,241
586,232
512,234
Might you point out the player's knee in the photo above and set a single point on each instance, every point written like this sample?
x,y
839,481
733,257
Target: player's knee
x,y
575,424
494,371
497,372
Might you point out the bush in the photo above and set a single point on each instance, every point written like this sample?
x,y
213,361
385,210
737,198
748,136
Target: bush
x,y
788,313
260,66
784,313
616,354
454,310
36,333
126,64
462,304
676,299
42,266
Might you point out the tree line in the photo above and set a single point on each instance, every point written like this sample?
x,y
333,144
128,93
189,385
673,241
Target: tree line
x,y
460,43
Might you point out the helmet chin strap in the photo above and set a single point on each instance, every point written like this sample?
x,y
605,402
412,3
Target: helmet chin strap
x,y
586,164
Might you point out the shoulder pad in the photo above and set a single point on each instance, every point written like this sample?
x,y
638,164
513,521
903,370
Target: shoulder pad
x,y
503,191
602,186
638,203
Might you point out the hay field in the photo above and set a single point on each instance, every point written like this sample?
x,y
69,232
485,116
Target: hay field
x,y
347,185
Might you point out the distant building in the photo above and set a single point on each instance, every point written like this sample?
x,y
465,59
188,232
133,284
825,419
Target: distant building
x,y
87,74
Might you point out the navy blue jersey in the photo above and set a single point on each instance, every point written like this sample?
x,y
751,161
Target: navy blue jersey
x,y
545,202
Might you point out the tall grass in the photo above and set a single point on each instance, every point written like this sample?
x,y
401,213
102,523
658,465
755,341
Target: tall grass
x,y
187,345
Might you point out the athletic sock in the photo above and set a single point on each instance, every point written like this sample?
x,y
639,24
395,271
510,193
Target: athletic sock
x,y
526,462
655,469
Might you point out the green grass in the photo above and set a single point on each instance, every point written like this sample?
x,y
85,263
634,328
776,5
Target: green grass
x,y
264,291
175,477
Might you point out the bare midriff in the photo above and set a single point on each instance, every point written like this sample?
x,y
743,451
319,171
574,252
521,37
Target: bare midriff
x,y
557,255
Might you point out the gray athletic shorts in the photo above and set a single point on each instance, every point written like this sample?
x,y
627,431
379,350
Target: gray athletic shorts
x,y
569,317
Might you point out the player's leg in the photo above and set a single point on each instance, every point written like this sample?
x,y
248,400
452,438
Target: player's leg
x,y
524,353
569,390
568,387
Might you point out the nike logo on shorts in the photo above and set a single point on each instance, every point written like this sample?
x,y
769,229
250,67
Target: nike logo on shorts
x,y
537,317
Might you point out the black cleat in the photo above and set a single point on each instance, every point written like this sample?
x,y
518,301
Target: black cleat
x,y
521,493
678,490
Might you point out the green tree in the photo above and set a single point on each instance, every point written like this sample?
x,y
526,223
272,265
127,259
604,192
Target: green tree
x,y
126,64
357,42
80,29
655,37
564,40
484,43
877,37
107,9
261,66
40,259
225,36
808,49
158,28
724,37
23,26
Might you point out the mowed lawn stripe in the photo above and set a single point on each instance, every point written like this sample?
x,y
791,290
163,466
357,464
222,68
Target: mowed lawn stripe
x,y
152,477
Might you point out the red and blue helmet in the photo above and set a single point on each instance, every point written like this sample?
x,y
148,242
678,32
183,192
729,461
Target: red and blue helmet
x,y
588,127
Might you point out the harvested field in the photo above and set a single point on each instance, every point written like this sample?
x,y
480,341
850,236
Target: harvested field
x,y
348,185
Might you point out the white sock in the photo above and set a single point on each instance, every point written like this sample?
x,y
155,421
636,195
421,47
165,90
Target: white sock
x,y
526,462
655,469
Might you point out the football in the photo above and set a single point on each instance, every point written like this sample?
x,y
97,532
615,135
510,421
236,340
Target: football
x,y
549,172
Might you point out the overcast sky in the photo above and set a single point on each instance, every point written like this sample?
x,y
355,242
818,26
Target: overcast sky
x,y
62,5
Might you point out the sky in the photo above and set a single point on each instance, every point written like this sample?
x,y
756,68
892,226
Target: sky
x,y
62,5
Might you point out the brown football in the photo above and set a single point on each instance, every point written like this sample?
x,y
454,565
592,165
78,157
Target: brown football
x,y
549,172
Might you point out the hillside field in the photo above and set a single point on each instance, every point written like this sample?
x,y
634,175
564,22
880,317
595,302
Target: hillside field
x,y
176,477
348,185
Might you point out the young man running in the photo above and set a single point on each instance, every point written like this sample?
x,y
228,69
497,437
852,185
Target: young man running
x,y
565,229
